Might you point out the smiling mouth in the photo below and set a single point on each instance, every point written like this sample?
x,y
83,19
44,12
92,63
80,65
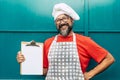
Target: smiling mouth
x,y
64,30
63,25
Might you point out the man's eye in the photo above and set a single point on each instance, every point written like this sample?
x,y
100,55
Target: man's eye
x,y
57,20
64,18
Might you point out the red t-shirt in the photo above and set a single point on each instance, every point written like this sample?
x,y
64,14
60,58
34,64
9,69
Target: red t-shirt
x,y
87,49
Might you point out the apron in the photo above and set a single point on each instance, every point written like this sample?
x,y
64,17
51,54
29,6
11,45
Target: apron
x,y
64,61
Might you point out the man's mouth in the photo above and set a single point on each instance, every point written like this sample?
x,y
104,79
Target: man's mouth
x,y
63,26
64,29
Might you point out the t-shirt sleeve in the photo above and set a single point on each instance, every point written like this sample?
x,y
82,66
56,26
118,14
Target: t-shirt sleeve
x,y
45,59
46,47
97,52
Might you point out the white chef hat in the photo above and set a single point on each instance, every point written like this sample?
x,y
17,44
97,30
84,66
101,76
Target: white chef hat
x,y
63,8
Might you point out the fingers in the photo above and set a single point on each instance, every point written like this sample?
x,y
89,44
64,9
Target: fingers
x,y
87,76
20,57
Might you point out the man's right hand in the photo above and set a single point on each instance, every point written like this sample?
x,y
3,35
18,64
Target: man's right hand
x,y
20,57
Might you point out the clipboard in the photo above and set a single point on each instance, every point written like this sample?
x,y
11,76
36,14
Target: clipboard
x,y
33,53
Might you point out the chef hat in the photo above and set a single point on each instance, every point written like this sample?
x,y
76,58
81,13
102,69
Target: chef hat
x,y
63,8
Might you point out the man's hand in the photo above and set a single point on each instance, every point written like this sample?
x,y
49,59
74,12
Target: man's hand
x,y
20,57
45,71
87,76
104,64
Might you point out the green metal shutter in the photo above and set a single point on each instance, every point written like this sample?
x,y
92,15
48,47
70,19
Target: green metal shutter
x,y
26,20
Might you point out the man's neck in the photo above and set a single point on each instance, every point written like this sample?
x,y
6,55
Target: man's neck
x,y
70,34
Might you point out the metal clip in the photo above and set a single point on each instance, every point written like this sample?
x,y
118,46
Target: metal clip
x,y
32,43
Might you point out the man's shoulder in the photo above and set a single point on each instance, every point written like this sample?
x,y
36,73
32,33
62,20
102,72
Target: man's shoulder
x,y
81,36
49,40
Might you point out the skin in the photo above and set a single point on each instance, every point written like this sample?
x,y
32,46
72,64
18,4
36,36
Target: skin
x,y
63,26
104,64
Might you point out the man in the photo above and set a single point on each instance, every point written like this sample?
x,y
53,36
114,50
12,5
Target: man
x,y
67,55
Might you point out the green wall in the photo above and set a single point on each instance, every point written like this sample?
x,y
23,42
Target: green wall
x,y
26,20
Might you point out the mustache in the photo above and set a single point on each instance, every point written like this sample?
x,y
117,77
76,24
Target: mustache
x,y
66,24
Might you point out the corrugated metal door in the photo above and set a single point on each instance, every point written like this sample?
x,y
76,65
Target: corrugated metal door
x,y
26,20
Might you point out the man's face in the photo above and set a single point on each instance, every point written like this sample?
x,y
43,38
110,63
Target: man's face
x,y
64,24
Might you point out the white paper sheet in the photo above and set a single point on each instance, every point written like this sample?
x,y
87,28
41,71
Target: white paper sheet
x,y
33,64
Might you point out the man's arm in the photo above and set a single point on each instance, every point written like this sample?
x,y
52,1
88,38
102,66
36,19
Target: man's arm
x,y
45,71
104,64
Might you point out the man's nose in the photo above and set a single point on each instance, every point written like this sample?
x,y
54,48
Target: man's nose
x,y
62,22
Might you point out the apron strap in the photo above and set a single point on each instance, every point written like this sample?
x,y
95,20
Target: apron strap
x,y
56,38
74,37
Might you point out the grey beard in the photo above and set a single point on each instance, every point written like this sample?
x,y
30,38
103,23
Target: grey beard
x,y
65,32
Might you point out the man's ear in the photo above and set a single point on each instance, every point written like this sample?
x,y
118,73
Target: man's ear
x,y
72,20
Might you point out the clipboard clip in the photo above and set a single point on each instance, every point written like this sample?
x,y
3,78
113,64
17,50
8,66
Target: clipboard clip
x,y
32,43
